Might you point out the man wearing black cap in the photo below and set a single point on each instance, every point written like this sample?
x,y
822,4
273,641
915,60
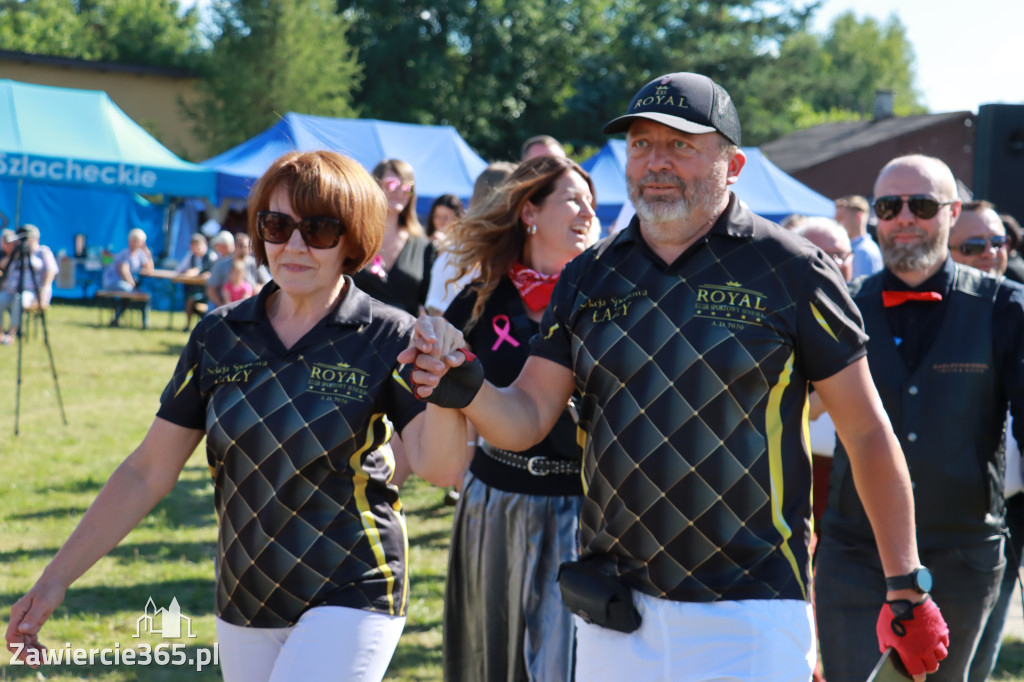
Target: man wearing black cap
x,y
692,336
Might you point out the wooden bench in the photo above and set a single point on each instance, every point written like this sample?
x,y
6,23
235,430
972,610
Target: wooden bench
x,y
133,300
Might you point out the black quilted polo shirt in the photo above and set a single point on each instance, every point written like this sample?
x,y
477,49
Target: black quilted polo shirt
x,y
694,379
296,440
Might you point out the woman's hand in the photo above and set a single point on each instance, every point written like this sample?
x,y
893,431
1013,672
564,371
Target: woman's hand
x,y
433,349
27,617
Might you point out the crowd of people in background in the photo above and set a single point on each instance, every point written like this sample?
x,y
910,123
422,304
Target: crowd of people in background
x,y
622,422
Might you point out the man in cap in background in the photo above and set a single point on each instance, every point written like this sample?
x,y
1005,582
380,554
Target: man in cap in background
x,y
692,336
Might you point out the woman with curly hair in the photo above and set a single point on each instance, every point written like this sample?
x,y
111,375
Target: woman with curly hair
x,y
516,520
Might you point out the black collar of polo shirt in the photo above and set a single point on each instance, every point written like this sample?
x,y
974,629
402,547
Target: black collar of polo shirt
x,y
353,310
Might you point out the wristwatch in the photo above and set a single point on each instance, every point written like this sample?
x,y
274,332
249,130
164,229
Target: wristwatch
x,y
919,580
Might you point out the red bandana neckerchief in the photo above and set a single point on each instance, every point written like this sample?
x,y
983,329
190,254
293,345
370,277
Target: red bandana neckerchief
x,y
534,288
895,298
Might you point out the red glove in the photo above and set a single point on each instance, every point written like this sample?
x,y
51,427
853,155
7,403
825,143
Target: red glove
x,y
917,632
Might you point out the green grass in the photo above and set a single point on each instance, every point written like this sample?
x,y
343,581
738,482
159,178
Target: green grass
x,y
111,381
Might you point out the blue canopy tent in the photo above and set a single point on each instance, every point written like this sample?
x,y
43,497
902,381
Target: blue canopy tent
x,y
440,158
71,162
766,189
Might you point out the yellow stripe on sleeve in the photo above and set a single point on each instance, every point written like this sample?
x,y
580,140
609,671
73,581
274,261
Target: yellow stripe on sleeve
x,y
773,431
188,379
360,479
824,324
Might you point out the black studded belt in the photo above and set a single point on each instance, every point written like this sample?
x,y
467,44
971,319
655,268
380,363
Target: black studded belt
x,y
538,466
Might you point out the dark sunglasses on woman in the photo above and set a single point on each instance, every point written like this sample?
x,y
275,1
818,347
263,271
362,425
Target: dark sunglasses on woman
x,y
317,232
976,246
921,205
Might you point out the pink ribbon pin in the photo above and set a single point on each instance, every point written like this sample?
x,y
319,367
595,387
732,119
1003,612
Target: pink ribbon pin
x,y
502,330
377,267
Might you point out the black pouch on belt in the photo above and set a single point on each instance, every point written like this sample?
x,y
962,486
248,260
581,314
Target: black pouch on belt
x,y
597,597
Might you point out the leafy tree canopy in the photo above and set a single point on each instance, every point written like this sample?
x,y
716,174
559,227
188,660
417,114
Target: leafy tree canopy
x,y
499,71
269,58
149,32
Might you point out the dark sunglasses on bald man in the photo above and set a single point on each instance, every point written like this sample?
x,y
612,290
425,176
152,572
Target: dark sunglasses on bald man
x,y
317,232
921,205
975,246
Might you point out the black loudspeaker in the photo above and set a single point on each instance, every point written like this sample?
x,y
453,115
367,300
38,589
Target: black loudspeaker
x,y
999,157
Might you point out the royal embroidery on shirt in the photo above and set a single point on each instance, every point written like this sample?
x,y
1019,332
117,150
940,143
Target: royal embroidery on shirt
x,y
730,305
234,373
341,382
608,308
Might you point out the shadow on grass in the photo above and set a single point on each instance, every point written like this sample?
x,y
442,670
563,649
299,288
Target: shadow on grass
x,y
438,539
412,659
129,551
424,625
56,512
189,504
82,485
194,595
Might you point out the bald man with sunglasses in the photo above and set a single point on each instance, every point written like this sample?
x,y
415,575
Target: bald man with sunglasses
x,y
946,352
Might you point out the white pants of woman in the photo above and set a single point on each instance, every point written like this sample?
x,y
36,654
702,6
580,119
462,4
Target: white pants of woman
x,y
327,644
755,640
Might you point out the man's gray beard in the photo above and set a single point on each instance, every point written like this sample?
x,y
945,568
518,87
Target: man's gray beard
x,y
658,211
912,257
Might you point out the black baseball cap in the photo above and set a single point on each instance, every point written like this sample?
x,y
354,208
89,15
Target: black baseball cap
x,y
689,102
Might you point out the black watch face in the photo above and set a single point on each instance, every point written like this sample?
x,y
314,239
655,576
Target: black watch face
x,y
923,578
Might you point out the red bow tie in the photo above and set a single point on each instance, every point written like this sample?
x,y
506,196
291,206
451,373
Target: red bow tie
x,y
894,298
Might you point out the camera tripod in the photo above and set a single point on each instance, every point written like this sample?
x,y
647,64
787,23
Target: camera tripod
x,y
21,253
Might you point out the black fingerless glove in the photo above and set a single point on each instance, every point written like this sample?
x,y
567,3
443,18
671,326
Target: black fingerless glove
x,y
459,385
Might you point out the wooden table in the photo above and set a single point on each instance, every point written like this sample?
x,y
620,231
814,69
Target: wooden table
x,y
173,277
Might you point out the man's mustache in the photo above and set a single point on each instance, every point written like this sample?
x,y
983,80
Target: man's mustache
x,y
652,178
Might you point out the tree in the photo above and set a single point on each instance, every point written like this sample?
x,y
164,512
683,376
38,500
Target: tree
x,y
149,32
817,79
501,71
269,58
498,71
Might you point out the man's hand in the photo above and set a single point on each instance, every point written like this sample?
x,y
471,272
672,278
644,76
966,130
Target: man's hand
x,y
917,632
435,348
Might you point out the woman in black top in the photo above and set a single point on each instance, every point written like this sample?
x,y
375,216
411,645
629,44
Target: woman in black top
x,y
290,389
517,516
399,273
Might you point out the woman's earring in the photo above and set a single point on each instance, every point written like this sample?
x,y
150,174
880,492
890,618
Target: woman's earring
x,y
532,229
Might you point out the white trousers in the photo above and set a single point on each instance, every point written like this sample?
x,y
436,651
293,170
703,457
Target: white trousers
x,y
328,644
764,640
